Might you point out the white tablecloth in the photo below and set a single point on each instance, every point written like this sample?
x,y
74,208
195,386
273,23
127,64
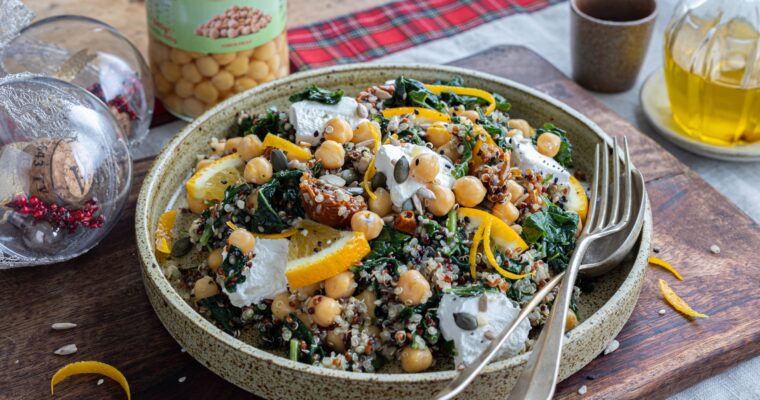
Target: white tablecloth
x,y
547,33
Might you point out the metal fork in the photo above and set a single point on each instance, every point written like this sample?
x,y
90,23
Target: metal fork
x,y
588,235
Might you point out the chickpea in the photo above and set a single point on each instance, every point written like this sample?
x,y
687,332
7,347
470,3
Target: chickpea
x,y
305,318
323,310
339,130
341,285
443,201
205,287
232,144
192,107
215,259
274,62
336,341
548,144
178,56
438,134
172,102
381,205
238,66
368,223
571,321
207,66
368,297
224,58
331,154
243,240
449,150
162,85
223,81
415,289
522,125
218,146
281,306
472,115
183,88
309,290
258,171
513,132
206,92
258,70
170,71
243,84
506,211
190,73
265,51
203,164
425,167
250,147
469,191
195,205
515,191
416,360
270,77
363,132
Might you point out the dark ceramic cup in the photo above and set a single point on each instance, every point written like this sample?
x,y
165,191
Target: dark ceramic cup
x,y
609,41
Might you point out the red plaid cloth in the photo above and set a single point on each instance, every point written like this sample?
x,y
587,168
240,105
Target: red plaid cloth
x,y
373,33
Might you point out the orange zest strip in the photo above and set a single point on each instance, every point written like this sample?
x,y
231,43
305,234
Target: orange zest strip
x,y
232,226
438,89
426,113
368,175
664,264
678,303
375,135
474,250
492,259
289,147
285,234
90,367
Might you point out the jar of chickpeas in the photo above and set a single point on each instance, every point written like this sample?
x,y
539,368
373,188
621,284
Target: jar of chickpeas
x,y
202,52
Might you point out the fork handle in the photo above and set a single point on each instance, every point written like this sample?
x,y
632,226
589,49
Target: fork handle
x,y
539,378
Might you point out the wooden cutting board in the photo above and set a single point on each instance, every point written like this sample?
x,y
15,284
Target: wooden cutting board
x,y
659,354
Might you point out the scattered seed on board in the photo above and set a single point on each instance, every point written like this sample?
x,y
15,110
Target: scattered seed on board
x,y
182,350
582,390
181,379
715,249
100,381
614,344
661,312
62,326
66,350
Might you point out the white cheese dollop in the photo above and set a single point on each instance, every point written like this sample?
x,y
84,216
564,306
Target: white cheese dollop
x,y
500,312
266,276
310,117
525,155
386,160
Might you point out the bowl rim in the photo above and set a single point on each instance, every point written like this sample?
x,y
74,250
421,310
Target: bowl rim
x,y
171,296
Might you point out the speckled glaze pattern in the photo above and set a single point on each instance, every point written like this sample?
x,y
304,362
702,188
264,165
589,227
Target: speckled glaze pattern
x,y
604,311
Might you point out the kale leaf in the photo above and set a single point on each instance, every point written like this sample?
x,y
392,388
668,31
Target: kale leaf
x,y
316,93
390,242
468,142
279,194
224,313
455,81
233,266
412,93
553,232
565,154
261,124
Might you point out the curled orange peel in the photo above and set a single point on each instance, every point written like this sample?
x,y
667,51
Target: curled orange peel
x,y
664,264
90,367
678,303
492,259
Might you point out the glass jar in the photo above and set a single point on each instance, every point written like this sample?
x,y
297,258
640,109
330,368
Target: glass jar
x,y
712,69
202,52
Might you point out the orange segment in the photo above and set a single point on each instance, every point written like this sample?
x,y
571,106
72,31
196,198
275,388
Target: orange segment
x,y
339,256
664,264
210,182
90,367
291,149
426,113
576,199
502,235
678,303
164,231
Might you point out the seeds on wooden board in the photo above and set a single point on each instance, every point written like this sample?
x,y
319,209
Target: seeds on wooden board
x,y
466,321
62,326
614,344
401,170
715,249
66,350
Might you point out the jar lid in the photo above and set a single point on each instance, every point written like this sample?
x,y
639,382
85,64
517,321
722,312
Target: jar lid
x,y
65,170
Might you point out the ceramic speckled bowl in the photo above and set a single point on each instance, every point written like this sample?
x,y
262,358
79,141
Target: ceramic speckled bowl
x,y
603,311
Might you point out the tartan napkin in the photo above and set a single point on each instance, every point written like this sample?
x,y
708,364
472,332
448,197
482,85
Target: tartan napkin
x,y
373,33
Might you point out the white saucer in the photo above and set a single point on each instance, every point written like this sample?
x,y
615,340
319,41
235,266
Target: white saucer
x,y
656,106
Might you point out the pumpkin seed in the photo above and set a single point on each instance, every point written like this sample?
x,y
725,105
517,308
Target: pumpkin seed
x,y
279,160
378,180
466,321
349,175
407,205
181,247
401,170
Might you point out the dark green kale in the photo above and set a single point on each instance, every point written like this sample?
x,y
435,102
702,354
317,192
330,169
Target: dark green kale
x,y
468,142
389,243
412,93
217,224
553,232
233,266
565,154
316,93
280,194
455,81
271,121
224,313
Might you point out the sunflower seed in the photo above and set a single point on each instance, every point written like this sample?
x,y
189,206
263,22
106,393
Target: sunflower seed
x,y
181,247
614,344
401,170
488,335
425,193
62,326
382,94
366,143
483,303
356,190
66,350
279,160
361,111
378,180
334,180
466,321
417,204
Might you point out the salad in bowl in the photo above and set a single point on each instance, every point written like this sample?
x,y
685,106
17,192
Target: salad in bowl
x,y
398,228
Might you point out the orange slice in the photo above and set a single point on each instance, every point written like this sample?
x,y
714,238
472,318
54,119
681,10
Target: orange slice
x,y
331,260
678,303
664,264
164,231
465,91
90,367
210,182
420,112
577,200
291,149
502,235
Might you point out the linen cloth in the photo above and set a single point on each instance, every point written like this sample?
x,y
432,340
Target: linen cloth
x,y
547,32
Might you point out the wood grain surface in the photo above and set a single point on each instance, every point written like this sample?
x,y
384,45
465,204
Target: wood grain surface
x,y
658,355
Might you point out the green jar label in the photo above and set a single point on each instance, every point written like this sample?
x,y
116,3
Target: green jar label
x,y
216,26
